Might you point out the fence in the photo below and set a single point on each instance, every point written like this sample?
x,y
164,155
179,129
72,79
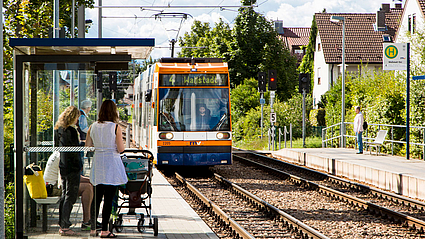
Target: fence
x,y
282,133
395,141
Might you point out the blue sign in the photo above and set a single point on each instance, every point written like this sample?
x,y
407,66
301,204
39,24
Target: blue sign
x,y
422,77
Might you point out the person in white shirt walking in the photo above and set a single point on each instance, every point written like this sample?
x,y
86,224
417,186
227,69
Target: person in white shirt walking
x,y
358,128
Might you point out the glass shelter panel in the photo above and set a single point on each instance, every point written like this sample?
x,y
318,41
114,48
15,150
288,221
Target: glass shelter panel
x,y
49,88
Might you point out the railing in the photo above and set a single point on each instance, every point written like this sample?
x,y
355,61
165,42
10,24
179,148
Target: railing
x,y
332,135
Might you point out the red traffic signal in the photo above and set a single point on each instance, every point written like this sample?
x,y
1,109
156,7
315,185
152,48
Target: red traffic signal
x,y
272,80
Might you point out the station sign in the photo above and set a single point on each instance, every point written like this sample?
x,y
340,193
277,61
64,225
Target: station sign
x,y
273,117
395,56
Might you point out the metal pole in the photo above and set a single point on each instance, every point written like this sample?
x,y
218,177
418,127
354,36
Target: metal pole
x,y
56,19
127,137
343,86
408,104
73,19
99,19
2,194
262,106
290,133
81,22
303,118
280,132
285,132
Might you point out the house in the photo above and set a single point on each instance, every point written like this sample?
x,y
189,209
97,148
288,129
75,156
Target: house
x,y
364,37
295,38
412,22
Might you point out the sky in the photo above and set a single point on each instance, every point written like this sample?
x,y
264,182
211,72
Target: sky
x,y
136,23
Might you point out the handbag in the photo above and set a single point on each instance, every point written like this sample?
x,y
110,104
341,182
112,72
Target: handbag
x,y
33,178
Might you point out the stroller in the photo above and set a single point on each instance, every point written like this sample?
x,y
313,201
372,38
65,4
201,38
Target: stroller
x,y
137,192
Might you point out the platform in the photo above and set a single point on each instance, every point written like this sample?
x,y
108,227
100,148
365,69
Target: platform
x,y
176,218
397,174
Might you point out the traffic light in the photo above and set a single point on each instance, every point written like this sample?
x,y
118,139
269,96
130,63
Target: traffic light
x,y
272,80
113,81
304,82
262,82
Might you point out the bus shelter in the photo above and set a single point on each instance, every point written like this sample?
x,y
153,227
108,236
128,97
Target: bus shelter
x,y
49,75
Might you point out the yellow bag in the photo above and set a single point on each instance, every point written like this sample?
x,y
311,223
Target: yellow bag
x,y
33,178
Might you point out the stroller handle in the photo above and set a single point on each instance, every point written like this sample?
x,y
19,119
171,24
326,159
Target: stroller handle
x,y
148,154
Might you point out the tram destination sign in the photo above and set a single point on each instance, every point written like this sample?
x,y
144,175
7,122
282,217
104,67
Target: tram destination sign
x,y
395,56
193,80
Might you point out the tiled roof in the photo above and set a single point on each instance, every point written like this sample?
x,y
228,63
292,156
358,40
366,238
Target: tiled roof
x,y
296,36
362,42
422,4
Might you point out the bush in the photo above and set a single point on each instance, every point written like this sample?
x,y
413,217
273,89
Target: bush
x,y
9,211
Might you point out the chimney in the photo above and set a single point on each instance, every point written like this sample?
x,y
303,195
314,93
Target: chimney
x,y
278,26
385,7
380,20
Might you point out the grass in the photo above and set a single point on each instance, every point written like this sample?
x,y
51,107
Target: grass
x,y
262,144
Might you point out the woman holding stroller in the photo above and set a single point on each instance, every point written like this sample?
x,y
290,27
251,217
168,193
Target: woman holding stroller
x,y
107,171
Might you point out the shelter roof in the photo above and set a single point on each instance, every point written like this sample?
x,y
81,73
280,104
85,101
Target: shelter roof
x,y
138,48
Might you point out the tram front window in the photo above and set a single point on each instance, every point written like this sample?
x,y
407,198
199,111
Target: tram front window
x,y
194,109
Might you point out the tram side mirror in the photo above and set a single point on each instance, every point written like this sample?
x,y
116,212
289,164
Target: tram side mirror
x,y
148,96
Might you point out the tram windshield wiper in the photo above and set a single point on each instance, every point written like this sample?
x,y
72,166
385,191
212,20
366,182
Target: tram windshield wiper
x,y
221,122
170,122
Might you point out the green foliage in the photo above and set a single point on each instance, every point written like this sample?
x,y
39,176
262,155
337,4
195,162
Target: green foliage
x,y
256,47
207,42
307,64
289,112
381,95
244,97
250,47
9,211
317,117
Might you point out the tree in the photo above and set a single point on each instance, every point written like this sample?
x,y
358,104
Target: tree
x,y
207,42
257,47
27,19
307,63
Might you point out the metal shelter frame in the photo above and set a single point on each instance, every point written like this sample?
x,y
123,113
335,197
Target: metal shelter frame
x,y
105,53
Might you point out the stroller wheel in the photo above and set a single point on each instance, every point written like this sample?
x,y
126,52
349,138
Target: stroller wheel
x,y
140,226
155,226
111,224
118,225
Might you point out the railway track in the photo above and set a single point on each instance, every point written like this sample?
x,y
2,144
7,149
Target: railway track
x,y
326,210
246,215
409,212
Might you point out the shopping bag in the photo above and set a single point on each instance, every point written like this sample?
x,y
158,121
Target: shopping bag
x,y
33,178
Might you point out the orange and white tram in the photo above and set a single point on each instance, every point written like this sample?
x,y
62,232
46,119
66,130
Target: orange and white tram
x,y
182,112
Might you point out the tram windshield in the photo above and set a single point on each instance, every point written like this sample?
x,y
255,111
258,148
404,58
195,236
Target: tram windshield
x,y
194,109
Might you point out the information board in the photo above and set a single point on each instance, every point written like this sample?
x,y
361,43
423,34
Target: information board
x,y
395,56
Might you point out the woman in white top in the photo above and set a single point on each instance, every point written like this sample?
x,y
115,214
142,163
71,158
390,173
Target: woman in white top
x,y
107,171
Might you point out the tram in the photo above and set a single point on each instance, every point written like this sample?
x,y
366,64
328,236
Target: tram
x,y
181,112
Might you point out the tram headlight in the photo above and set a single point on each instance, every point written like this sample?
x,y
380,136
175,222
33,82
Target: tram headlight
x,y
166,135
221,135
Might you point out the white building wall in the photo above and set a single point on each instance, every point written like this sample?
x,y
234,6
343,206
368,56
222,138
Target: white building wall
x,y
411,8
321,69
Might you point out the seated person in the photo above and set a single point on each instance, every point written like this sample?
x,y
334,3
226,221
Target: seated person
x,y
203,117
51,175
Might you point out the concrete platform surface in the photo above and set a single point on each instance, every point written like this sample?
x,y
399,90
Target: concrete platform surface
x,y
176,219
394,173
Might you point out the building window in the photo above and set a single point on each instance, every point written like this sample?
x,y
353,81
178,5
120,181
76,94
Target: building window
x,y
319,80
319,47
411,23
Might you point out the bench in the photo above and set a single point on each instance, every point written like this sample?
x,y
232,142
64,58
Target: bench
x,y
45,202
379,140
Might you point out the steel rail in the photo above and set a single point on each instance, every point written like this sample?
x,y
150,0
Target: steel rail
x,y
414,223
288,220
213,208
